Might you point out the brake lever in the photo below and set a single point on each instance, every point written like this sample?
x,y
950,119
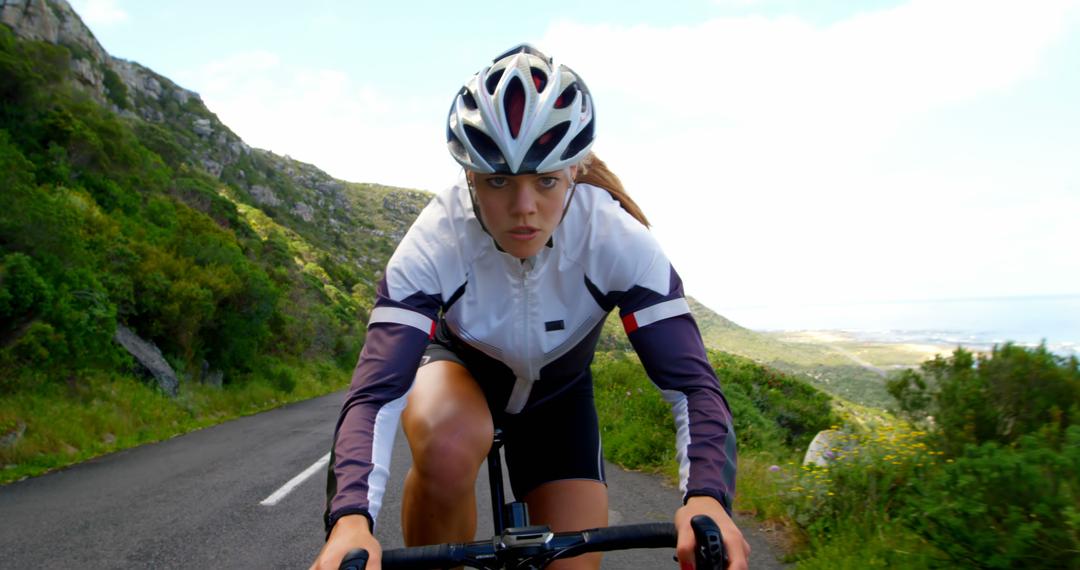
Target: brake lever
x,y
355,559
709,553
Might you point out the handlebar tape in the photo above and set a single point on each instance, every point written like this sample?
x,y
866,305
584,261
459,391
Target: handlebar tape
x,y
648,535
424,557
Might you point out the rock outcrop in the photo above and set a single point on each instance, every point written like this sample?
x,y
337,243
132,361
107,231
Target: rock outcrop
x,y
823,449
143,94
149,359
12,437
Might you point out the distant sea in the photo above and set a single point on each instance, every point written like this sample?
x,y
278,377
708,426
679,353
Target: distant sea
x,y
975,323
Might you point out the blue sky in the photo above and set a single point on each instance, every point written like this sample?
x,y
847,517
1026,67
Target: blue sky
x,y
787,152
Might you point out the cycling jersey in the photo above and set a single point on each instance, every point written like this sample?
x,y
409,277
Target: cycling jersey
x,y
532,325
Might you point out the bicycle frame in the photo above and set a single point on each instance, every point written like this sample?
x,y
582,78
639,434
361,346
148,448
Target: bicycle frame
x,y
503,514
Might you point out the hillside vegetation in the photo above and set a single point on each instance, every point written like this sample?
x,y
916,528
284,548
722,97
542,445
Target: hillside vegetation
x,y
980,470
247,270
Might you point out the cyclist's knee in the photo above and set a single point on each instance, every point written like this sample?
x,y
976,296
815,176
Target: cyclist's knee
x,y
448,461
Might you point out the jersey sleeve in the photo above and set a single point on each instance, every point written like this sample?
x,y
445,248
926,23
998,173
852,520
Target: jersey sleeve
x,y
626,267
398,332
401,324
666,338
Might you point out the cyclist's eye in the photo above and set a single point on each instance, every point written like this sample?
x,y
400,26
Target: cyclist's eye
x,y
549,182
497,182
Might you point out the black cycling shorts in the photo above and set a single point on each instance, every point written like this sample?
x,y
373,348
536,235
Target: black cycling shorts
x,y
556,440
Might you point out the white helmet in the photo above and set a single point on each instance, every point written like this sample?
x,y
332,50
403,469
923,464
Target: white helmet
x,y
524,114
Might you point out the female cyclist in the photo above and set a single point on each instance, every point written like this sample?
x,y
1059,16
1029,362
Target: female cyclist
x,y
488,316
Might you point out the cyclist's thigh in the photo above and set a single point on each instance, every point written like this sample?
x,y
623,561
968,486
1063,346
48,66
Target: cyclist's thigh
x,y
447,407
569,505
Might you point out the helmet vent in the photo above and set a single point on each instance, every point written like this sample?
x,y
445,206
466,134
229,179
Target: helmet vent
x,y
486,148
456,148
539,79
514,105
493,81
567,96
543,146
523,48
468,100
580,142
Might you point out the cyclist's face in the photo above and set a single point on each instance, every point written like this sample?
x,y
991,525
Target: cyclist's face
x,y
523,210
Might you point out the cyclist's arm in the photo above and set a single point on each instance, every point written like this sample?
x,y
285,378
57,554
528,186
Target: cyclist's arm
x,y
669,343
397,334
667,339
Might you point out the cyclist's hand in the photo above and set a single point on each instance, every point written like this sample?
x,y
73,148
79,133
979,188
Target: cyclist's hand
x,y
738,551
350,531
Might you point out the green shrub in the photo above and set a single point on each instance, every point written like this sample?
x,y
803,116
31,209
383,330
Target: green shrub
x,y
276,373
115,89
991,480
37,347
996,397
797,408
753,429
638,429
22,290
636,425
1005,507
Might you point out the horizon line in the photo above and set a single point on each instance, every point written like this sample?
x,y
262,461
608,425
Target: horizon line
x,y
1031,297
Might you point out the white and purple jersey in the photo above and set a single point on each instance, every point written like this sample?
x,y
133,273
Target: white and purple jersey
x,y
532,326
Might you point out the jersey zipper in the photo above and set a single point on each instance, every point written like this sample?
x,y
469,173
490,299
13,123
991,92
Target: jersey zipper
x,y
526,337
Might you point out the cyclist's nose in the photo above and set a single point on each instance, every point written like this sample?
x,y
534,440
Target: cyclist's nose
x,y
524,202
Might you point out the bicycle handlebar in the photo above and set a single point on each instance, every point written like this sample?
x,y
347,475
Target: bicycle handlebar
x,y
535,547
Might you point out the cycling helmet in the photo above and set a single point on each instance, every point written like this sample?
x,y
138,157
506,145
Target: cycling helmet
x,y
523,114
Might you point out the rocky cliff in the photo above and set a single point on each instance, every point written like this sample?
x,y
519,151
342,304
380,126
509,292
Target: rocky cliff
x,y
360,223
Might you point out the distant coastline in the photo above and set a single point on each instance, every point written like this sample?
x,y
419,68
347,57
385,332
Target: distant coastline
x,y
952,339
976,323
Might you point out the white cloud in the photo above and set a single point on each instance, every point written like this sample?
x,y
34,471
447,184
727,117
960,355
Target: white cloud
x,y
99,12
355,132
763,149
780,134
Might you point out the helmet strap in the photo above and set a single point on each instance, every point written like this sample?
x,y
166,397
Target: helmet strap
x,y
476,211
570,198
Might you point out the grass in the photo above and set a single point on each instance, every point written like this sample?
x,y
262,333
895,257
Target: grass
x,y
64,424
635,422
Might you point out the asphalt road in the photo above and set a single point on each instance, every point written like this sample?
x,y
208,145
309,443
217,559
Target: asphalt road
x,y
194,502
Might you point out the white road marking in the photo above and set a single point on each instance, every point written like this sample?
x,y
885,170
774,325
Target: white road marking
x,y
295,482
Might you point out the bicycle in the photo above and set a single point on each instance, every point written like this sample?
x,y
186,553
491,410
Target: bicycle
x,y
517,545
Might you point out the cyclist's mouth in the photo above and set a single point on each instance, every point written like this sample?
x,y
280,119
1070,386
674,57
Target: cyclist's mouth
x,y
524,233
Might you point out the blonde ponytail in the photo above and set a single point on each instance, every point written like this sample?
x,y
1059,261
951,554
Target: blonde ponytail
x,y
593,171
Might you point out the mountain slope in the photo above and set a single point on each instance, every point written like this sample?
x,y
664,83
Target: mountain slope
x,y
128,202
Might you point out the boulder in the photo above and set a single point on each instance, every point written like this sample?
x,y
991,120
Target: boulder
x,y
212,167
152,87
822,449
12,437
264,196
238,147
86,72
202,127
303,211
149,359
